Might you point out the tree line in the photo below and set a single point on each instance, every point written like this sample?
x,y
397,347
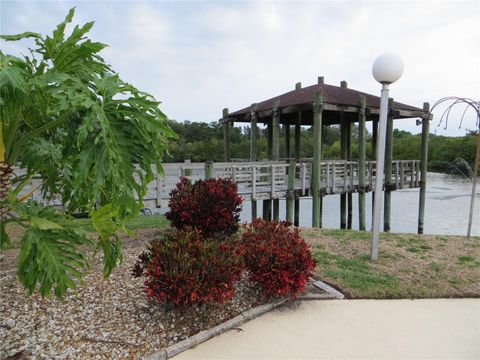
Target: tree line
x,y
200,142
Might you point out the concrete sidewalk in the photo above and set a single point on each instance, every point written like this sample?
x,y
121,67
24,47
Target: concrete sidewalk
x,y
354,329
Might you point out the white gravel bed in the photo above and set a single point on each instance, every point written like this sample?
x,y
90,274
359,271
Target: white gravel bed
x,y
105,318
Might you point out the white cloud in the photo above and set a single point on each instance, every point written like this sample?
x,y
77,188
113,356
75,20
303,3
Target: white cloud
x,y
198,58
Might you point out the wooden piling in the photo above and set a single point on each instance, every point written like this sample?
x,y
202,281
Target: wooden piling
x,y
343,156
185,171
316,171
267,204
209,171
291,190
298,132
350,189
226,136
345,130
361,162
269,139
276,152
253,152
388,169
287,140
423,166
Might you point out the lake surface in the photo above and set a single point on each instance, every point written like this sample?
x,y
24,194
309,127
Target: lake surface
x,y
446,211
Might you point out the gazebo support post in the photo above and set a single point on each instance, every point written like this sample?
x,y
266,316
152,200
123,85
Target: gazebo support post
x,y
226,136
316,168
388,169
322,193
253,150
286,128
267,204
350,190
275,154
291,190
343,156
374,151
423,166
361,163
347,155
298,133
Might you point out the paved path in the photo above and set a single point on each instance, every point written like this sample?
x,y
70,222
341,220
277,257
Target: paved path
x,y
354,329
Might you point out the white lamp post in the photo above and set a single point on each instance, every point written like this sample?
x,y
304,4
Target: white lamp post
x,y
386,69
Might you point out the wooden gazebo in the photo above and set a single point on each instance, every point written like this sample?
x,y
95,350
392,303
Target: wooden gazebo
x,y
322,105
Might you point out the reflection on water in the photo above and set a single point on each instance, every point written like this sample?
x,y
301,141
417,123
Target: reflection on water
x,y
446,212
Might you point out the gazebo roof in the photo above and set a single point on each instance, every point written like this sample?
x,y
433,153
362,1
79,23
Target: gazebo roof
x,y
337,100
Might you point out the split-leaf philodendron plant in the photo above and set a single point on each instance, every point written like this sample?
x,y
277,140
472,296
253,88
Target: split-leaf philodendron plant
x,y
94,141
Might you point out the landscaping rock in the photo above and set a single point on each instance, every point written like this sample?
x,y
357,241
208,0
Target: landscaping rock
x,y
104,318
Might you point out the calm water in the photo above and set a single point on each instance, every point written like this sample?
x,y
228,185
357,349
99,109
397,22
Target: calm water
x,y
446,211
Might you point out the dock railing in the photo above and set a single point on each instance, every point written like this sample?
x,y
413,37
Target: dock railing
x,y
269,179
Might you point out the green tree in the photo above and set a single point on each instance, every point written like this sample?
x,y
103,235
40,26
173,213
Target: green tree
x,y
92,138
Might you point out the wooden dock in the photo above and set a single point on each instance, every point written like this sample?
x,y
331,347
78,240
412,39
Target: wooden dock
x,y
269,179
266,180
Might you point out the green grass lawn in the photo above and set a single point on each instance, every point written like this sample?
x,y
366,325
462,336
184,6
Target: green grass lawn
x,y
138,222
409,265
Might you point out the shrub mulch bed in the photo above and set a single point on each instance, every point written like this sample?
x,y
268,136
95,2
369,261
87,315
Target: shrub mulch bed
x,y
104,318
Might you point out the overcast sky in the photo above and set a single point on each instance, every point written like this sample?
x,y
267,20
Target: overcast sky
x,y
199,57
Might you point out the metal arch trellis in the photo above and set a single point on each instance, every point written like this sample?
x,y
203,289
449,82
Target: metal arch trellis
x,y
469,103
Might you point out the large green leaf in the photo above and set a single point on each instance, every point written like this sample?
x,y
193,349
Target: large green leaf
x,y
52,255
21,36
105,220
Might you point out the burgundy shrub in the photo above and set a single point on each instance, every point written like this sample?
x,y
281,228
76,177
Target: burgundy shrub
x,y
212,206
183,268
277,258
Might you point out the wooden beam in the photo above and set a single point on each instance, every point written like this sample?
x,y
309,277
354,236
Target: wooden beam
x,y
226,136
423,166
316,171
293,109
388,170
361,163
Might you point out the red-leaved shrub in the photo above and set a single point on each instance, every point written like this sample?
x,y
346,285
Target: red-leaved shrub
x,y
277,258
212,206
184,268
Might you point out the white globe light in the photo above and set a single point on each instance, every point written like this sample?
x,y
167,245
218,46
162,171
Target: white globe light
x,y
387,68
